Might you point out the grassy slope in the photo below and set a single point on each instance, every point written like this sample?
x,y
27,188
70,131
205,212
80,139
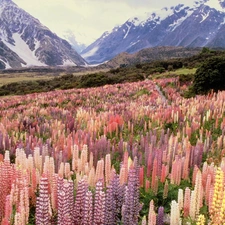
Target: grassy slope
x,y
178,72
12,77
17,77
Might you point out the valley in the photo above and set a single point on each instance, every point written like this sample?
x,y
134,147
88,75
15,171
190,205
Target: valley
x,y
131,131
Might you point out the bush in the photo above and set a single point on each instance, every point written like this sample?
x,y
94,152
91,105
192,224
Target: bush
x,y
210,76
160,70
170,68
185,78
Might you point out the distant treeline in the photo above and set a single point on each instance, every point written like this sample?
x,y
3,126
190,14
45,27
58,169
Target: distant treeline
x,y
119,75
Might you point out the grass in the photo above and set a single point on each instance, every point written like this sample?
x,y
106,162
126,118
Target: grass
x,y
88,72
177,72
17,77
184,71
7,78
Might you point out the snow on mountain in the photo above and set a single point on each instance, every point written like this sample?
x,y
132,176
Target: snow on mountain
x,y
90,53
25,42
195,24
127,32
23,51
179,21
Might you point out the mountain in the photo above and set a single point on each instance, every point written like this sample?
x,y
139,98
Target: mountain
x,y
71,38
25,42
198,25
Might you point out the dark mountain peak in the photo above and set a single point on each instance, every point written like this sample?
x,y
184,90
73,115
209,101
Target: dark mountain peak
x,y
178,7
222,3
27,42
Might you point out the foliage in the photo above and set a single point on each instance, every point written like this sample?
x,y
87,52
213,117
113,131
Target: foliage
x,y
69,81
189,93
173,127
141,92
159,199
122,74
185,78
210,76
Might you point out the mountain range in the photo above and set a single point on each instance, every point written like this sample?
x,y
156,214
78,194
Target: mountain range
x,y
197,25
25,42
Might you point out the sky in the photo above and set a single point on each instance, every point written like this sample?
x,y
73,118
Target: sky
x,y
89,19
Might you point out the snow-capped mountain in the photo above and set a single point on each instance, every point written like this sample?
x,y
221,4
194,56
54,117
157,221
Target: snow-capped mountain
x,y
198,25
71,38
24,41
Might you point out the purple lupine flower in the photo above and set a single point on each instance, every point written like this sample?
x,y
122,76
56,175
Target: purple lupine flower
x,y
42,214
160,216
99,205
110,206
131,206
88,209
80,201
65,204
118,196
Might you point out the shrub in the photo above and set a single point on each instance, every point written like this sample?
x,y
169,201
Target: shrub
x,y
210,75
185,78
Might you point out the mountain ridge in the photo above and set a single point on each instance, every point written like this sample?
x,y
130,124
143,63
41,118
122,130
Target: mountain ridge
x,y
24,41
199,25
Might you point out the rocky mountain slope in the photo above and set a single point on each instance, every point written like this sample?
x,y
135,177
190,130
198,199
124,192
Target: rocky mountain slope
x,y
198,25
25,42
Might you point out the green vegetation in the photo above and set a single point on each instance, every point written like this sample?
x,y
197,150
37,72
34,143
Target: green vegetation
x,y
209,75
173,127
159,198
67,82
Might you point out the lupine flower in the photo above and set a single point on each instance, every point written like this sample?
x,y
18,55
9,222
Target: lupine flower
x,y
180,199
118,196
160,216
131,205
99,205
65,204
110,207
151,214
166,189
144,221
107,168
43,210
88,209
200,220
175,213
187,199
217,209
78,212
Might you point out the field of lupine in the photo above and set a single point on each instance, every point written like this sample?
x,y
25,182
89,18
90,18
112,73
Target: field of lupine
x,y
132,153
